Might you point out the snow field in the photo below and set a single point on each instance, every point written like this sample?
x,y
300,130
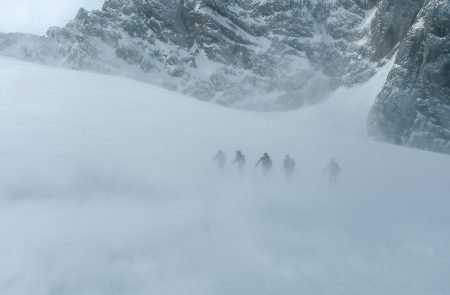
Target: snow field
x,y
107,186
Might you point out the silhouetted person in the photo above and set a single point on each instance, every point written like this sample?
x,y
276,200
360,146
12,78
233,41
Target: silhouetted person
x,y
221,160
288,167
333,170
266,164
239,160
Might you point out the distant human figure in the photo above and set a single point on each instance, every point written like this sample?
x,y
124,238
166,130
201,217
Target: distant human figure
x,y
289,167
333,170
239,160
221,160
266,164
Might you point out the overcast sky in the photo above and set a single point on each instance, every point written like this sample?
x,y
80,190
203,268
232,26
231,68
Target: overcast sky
x,y
35,16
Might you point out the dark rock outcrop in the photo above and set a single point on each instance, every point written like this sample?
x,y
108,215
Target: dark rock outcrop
x,y
391,23
413,108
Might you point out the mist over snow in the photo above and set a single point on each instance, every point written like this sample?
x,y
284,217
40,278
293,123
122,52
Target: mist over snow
x,y
108,186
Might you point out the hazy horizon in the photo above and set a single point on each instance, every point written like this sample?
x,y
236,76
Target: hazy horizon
x,y
36,16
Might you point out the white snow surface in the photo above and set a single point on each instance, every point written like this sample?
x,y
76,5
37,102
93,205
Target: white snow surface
x,y
107,186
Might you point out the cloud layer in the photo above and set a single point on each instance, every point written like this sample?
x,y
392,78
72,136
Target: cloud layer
x,y
35,16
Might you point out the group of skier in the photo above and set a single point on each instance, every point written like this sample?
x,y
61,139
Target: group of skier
x,y
265,162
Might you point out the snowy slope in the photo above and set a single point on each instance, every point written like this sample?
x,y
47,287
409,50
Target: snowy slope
x,y
107,187
265,55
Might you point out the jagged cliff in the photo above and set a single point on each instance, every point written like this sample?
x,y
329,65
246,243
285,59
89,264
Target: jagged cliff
x,y
414,106
269,55
266,55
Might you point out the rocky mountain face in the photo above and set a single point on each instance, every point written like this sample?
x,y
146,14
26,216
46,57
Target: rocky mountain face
x,y
265,55
413,108
269,54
